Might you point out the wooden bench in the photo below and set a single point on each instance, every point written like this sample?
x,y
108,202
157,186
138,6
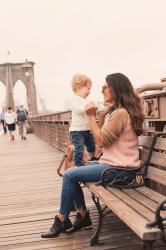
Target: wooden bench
x,y
141,206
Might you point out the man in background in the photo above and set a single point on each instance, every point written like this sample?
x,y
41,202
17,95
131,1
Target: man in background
x,y
22,117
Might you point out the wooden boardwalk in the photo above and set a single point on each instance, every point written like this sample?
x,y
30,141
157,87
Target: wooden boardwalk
x,y
29,199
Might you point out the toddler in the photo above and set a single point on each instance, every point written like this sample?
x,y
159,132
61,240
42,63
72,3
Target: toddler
x,y
80,131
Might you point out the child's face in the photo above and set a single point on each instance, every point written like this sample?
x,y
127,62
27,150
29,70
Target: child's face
x,y
84,91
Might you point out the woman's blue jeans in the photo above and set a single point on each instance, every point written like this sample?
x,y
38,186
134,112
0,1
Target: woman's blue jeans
x,y
71,190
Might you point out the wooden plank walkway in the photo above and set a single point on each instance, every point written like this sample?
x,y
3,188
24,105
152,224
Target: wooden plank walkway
x,y
29,198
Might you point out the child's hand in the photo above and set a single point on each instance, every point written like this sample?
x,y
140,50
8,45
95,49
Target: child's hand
x,y
104,108
90,109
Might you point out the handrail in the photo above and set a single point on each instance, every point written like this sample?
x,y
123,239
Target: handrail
x,y
151,86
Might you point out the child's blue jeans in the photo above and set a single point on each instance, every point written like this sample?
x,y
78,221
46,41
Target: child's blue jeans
x,y
80,139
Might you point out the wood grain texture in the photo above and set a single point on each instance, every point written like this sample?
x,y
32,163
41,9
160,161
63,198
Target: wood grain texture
x,y
29,199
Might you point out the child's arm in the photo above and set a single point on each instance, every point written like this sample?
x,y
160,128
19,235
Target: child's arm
x,y
91,113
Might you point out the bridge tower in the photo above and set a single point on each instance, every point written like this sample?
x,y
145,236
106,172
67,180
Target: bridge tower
x,y
10,73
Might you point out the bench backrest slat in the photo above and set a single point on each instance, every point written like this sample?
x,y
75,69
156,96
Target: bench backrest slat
x,y
157,158
157,165
157,175
146,141
160,143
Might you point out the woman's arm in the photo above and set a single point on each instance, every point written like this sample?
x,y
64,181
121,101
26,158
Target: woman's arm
x,y
111,131
114,126
101,116
103,113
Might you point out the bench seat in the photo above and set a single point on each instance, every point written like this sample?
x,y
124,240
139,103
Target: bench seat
x,y
136,207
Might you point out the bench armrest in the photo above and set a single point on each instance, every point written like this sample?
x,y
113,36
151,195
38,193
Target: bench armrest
x,y
160,220
119,181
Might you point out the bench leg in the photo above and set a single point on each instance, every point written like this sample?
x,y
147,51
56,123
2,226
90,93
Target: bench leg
x,y
148,245
95,237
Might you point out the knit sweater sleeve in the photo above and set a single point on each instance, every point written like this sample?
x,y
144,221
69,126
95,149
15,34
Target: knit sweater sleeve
x,y
113,127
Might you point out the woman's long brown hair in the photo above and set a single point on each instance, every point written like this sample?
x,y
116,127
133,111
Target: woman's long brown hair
x,y
125,97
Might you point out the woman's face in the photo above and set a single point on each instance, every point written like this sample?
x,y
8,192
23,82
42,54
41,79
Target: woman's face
x,y
107,93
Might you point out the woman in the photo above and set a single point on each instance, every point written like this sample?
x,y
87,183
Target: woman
x,y
117,134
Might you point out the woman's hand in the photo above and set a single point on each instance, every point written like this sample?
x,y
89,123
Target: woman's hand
x,y
105,110
90,109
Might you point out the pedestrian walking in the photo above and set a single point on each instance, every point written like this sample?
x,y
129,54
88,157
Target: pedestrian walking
x,y
22,117
2,120
10,119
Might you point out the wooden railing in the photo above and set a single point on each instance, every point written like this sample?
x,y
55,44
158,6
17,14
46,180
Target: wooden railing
x,y
53,128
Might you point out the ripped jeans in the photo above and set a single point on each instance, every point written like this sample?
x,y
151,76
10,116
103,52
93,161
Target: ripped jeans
x,y
71,190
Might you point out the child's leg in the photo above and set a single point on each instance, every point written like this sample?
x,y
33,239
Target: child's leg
x,y
89,143
78,141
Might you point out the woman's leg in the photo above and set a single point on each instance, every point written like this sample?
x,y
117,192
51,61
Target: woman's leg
x,y
70,190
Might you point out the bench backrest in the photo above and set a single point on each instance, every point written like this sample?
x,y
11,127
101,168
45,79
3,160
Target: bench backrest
x,y
156,173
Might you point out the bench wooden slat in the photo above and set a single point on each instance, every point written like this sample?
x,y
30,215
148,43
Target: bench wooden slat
x,y
138,202
125,213
158,159
160,143
157,175
134,204
145,201
151,194
145,141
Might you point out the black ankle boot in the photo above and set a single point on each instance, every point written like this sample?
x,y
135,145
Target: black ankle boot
x,y
81,222
57,228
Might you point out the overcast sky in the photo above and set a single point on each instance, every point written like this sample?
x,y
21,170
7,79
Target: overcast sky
x,y
94,37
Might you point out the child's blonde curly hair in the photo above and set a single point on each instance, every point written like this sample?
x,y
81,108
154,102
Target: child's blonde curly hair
x,y
79,80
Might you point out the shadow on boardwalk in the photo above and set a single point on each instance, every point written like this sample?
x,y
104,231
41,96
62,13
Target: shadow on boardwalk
x,y
29,198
